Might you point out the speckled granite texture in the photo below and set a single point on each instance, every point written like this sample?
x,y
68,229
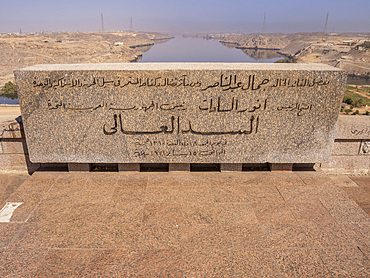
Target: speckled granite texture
x,y
180,113
260,224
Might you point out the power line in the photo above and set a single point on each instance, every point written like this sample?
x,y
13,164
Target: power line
x,y
264,24
326,23
102,22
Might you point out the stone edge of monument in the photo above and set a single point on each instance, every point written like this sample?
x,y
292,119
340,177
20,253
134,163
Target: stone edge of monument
x,y
179,66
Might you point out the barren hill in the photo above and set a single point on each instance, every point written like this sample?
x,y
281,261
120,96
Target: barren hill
x,y
349,52
18,51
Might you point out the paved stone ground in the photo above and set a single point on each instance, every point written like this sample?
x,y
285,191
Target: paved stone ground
x,y
250,224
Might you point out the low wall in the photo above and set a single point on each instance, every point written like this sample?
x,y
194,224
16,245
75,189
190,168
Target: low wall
x,y
351,150
13,148
184,114
350,155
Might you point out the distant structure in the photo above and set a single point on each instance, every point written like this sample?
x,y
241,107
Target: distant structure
x,y
102,22
264,24
326,23
131,26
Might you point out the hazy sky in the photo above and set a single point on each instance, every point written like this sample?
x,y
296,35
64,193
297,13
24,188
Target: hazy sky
x,y
245,16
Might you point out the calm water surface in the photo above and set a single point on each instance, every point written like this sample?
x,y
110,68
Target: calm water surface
x,y
6,100
182,49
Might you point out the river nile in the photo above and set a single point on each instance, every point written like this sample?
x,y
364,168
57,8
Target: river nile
x,y
181,49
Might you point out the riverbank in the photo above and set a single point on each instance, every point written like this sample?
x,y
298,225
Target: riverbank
x,y
349,52
22,50
190,49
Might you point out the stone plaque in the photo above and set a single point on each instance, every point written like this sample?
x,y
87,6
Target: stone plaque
x,y
180,112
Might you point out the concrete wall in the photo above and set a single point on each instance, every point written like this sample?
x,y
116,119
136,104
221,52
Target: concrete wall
x,y
351,151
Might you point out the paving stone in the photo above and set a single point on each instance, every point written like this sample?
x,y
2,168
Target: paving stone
x,y
358,194
122,213
230,214
171,214
130,190
274,213
313,212
285,235
35,235
95,194
207,213
214,237
147,225
19,262
328,236
360,235
14,147
7,232
110,263
316,192
9,183
345,262
155,236
365,207
50,211
347,212
343,181
63,263
181,192
314,178
362,181
300,263
171,179
31,193
145,263
229,263
255,194
93,235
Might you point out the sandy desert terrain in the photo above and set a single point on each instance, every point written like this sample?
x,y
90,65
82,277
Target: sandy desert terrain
x,y
22,50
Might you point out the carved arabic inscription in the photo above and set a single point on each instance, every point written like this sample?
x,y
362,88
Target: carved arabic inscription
x,y
228,96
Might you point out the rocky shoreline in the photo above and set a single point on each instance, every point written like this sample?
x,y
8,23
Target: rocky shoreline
x,y
22,50
350,52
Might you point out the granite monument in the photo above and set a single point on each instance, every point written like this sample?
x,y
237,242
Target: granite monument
x,y
180,112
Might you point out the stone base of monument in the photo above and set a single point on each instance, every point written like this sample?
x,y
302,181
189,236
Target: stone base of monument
x,y
128,167
281,166
78,167
179,167
231,167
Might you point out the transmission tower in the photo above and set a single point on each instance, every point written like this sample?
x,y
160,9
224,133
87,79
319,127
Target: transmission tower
x,y
102,22
264,24
131,26
326,23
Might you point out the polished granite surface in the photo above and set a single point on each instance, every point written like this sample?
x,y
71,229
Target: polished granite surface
x,y
248,224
